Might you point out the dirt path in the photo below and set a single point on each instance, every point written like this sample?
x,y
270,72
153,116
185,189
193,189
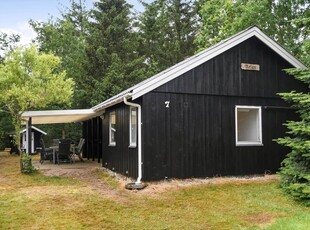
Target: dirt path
x,y
91,177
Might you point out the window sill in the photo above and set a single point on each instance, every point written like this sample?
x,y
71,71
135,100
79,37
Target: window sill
x,y
112,144
240,144
132,146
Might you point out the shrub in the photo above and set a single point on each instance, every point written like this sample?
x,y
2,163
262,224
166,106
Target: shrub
x,y
295,170
26,164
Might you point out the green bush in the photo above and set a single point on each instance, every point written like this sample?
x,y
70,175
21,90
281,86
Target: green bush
x,y
295,170
26,164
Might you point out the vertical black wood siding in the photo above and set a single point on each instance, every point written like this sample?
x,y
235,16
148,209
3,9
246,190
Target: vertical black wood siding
x,y
120,158
88,139
92,132
85,136
195,136
181,143
37,137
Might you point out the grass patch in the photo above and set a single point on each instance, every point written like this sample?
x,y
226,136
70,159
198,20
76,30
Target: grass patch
x,y
39,179
40,202
108,179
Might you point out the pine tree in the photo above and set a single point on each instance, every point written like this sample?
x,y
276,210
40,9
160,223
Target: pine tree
x,y
112,38
295,170
168,29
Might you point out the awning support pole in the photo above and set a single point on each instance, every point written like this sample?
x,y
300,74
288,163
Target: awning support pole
x,y
28,134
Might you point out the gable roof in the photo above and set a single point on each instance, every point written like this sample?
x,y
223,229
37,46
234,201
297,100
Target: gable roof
x,y
182,67
35,128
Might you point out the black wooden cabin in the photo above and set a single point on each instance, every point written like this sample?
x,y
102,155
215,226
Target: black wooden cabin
x,y
214,114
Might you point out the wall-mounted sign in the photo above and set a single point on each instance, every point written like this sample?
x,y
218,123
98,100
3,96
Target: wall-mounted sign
x,y
247,66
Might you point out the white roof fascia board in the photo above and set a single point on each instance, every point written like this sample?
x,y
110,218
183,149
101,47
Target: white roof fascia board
x,y
57,112
279,49
112,101
173,72
169,74
59,116
208,54
39,130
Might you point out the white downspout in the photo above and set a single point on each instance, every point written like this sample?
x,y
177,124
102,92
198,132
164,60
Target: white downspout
x,y
139,139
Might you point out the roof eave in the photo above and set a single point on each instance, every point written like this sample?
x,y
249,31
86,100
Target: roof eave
x,y
59,116
182,67
212,52
112,101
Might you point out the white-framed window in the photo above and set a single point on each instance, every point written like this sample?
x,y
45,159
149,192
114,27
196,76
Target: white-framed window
x,y
248,121
133,127
112,128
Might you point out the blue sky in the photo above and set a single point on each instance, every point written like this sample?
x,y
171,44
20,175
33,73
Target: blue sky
x,y
15,14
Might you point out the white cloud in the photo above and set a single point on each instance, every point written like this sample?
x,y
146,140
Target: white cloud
x,y
24,30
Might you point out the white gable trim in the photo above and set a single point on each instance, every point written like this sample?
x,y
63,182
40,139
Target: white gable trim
x,y
175,71
210,53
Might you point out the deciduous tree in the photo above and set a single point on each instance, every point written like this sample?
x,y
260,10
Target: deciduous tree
x,y
65,37
282,20
30,80
7,43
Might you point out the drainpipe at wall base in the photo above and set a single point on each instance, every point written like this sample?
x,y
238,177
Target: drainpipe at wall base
x,y
138,182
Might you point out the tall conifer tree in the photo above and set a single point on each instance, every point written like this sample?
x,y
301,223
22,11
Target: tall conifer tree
x,y
295,170
168,29
112,38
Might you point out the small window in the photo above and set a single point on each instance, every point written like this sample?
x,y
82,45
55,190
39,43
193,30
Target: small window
x,y
112,129
248,126
133,127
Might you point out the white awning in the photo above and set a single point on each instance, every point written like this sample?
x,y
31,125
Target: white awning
x,y
59,116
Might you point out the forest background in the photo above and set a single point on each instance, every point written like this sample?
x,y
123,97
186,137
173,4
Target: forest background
x,y
111,46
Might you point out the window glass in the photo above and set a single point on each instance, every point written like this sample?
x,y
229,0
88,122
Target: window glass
x,y
248,125
112,128
133,127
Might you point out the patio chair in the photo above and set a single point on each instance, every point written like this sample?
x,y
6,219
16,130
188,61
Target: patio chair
x,y
63,154
79,149
46,153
